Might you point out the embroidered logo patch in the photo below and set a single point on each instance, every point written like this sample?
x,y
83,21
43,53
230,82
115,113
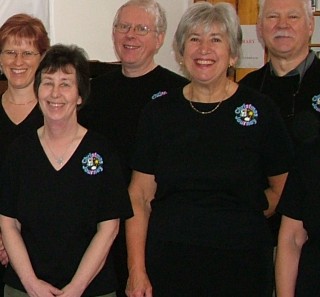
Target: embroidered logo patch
x,y
92,164
246,115
159,94
316,103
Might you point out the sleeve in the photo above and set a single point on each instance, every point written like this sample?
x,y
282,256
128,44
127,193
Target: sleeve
x,y
115,203
144,156
292,197
277,144
9,186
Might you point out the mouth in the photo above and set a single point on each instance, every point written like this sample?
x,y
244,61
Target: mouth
x,y
130,47
204,62
18,71
55,104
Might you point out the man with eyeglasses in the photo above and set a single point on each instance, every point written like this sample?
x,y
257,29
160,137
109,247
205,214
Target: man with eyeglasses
x,y
118,97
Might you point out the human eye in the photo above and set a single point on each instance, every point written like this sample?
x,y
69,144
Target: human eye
x,y
123,27
10,53
27,54
272,16
46,82
293,16
142,29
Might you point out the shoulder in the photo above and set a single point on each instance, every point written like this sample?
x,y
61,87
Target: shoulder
x,y
254,77
169,76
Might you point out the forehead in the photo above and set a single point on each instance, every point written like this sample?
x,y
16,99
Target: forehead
x,y
279,5
214,28
14,41
134,14
67,72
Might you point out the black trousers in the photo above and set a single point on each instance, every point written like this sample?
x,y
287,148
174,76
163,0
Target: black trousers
x,y
177,269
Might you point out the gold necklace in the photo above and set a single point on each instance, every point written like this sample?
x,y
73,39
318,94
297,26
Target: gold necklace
x,y
59,160
205,112
14,103
212,110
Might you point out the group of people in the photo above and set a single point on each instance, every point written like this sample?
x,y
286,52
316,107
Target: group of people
x,y
144,183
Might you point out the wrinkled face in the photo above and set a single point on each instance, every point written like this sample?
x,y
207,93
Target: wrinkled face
x,y
207,54
285,28
136,51
19,60
58,95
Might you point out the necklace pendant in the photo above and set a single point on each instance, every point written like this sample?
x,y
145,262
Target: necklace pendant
x,y
59,161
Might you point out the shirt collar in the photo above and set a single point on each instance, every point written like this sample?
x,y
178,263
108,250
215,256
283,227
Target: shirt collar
x,y
300,69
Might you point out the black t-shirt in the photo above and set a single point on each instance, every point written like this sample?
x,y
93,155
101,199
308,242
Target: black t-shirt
x,y
116,101
10,131
211,169
59,210
300,200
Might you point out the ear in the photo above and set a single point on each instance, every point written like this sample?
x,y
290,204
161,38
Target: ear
x,y
79,101
233,61
311,26
160,40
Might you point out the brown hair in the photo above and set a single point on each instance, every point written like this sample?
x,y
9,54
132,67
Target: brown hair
x,y
23,26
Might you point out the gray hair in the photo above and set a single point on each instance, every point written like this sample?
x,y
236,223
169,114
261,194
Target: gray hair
x,y
306,5
206,14
152,7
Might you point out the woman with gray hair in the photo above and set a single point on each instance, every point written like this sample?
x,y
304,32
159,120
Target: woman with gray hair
x,y
209,166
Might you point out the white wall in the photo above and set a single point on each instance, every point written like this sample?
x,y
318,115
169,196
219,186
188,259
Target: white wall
x,y
88,23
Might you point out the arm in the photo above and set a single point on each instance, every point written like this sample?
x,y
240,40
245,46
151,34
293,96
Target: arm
x,y
141,190
3,253
273,193
20,260
93,259
292,237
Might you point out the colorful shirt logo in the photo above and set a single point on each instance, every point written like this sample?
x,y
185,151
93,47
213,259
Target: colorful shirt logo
x,y
246,115
316,103
159,94
92,164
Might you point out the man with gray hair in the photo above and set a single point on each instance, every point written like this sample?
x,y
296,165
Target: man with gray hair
x,y
118,97
291,76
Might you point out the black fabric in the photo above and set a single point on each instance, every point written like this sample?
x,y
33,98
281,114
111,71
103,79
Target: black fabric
x,y
299,106
114,110
211,169
116,101
10,131
59,210
300,201
177,269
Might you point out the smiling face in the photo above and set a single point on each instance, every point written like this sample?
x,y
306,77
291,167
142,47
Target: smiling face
x,y
137,52
58,95
19,70
206,54
286,28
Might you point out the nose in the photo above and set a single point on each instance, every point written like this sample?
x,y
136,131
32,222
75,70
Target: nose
x,y
204,48
283,22
18,59
55,93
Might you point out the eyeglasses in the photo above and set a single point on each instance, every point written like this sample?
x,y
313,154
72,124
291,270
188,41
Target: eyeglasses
x,y
26,55
139,29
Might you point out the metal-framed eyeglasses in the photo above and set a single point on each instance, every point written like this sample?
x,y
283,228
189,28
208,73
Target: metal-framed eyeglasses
x,y
12,54
139,29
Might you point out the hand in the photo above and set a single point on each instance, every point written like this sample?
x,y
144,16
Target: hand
x,y
71,291
138,285
4,259
40,288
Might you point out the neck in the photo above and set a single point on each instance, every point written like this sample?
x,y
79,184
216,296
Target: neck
x,y
131,71
19,96
59,131
196,93
284,65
